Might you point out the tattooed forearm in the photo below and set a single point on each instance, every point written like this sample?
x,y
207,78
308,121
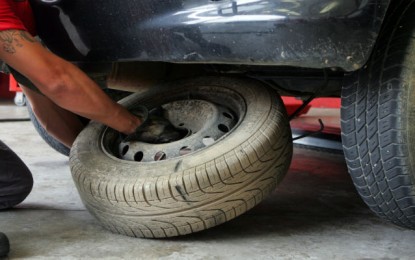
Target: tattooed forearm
x,y
6,40
12,39
25,36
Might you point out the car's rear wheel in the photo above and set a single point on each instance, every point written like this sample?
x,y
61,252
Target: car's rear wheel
x,y
238,148
378,115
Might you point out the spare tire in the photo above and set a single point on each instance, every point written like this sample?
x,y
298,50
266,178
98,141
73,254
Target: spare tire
x,y
133,191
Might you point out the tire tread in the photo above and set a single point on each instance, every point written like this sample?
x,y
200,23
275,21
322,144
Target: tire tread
x,y
382,172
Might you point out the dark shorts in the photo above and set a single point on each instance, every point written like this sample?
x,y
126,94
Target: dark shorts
x,y
15,178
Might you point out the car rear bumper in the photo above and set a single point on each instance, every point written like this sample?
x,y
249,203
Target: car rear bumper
x,y
312,33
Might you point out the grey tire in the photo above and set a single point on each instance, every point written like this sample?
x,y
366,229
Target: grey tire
x,y
196,191
50,140
378,115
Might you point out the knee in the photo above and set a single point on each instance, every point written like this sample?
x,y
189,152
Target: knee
x,y
16,181
15,190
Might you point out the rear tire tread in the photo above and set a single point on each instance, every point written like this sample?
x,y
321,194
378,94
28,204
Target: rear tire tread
x,y
396,202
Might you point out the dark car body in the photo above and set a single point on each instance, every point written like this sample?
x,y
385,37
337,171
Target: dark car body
x,y
301,33
236,57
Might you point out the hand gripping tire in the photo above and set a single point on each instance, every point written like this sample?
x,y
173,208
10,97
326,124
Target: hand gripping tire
x,y
378,115
195,191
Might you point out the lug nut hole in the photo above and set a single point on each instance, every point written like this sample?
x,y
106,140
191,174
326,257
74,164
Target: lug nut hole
x,y
223,128
225,114
160,156
125,150
185,150
138,156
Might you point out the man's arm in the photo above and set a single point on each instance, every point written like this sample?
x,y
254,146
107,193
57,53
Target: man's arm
x,y
63,82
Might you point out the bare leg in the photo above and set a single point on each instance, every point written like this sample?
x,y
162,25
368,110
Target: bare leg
x,y
62,124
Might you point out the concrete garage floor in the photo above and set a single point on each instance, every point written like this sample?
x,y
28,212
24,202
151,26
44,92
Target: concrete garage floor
x,y
314,214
